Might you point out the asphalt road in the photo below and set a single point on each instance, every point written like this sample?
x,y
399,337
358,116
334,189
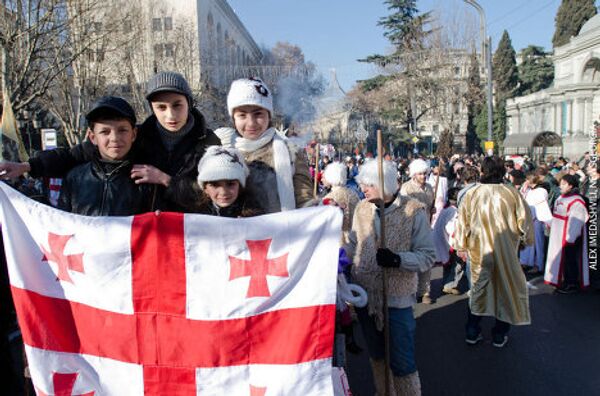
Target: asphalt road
x,y
558,354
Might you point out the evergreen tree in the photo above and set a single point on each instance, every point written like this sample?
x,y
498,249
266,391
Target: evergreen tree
x,y
474,101
498,127
536,71
404,28
506,79
505,72
571,16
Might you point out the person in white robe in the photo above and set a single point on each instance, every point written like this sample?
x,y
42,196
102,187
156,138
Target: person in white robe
x,y
567,266
533,257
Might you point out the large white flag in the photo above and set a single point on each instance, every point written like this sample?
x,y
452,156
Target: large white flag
x,y
173,304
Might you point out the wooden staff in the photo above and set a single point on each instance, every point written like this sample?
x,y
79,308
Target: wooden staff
x,y
315,187
386,319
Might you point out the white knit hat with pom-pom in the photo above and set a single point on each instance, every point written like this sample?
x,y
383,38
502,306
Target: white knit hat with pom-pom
x,y
249,91
369,175
336,174
221,163
417,166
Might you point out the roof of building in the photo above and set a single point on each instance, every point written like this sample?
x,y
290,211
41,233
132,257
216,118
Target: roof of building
x,y
333,100
592,24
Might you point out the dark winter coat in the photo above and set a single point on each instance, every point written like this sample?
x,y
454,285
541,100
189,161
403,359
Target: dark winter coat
x,y
98,188
181,164
245,206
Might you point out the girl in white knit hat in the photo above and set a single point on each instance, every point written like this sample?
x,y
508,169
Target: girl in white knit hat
x,y
279,175
222,174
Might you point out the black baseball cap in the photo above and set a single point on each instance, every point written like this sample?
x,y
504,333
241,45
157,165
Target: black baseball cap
x,y
111,106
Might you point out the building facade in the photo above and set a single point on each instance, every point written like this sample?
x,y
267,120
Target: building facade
x,y
446,109
563,114
202,39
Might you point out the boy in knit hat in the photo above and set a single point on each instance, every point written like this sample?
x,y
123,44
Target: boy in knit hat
x,y
334,180
279,174
222,174
418,188
168,147
103,186
408,251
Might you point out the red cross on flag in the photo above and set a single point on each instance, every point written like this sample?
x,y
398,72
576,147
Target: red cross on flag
x,y
173,304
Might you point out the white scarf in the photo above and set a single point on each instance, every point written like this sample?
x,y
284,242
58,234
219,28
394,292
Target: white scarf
x,y
282,161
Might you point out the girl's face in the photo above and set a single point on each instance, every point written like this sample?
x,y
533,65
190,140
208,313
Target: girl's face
x,y
565,187
222,192
251,121
171,109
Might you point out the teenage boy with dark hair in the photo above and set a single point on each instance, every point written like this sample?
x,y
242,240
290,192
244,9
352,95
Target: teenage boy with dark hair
x,y
168,147
103,186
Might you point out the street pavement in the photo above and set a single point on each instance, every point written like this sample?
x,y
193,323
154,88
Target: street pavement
x,y
558,354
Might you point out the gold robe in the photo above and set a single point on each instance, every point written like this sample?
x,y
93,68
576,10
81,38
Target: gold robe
x,y
493,220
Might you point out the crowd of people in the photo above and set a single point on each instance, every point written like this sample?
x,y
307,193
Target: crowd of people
x,y
491,224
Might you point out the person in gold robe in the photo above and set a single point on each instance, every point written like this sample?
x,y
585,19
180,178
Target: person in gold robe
x,y
494,222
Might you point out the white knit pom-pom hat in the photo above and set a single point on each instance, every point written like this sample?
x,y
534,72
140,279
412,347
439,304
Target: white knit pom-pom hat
x,y
249,91
221,163
417,166
369,175
336,174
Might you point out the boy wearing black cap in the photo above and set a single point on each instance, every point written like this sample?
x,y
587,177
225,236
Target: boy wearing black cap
x,y
168,147
103,186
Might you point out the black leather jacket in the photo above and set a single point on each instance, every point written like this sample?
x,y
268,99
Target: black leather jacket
x,y
104,189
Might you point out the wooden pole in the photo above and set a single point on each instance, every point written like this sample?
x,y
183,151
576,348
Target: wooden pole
x,y
386,319
316,184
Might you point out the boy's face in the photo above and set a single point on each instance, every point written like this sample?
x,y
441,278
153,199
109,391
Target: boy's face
x,y
371,193
222,192
420,178
251,121
171,109
565,187
113,138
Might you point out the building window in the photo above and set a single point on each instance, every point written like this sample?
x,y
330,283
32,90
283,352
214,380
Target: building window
x,y
168,23
156,24
158,50
169,50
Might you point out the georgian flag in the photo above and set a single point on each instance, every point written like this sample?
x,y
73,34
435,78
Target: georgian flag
x,y
173,304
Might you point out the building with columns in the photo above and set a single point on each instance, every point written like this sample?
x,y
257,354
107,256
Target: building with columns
x,y
560,119
202,39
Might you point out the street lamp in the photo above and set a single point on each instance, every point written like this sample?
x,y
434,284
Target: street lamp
x,y
486,55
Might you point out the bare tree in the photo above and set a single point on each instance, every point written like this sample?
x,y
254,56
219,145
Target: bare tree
x,y
98,36
36,46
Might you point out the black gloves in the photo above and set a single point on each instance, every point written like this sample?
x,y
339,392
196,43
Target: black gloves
x,y
386,258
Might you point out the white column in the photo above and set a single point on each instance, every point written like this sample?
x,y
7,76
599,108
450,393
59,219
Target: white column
x,y
569,116
589,118
576,116
556,118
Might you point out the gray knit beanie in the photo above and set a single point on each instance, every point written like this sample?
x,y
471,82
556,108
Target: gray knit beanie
x,y
168,81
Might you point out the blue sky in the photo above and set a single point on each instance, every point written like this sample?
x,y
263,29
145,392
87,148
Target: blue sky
x,y
334,33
